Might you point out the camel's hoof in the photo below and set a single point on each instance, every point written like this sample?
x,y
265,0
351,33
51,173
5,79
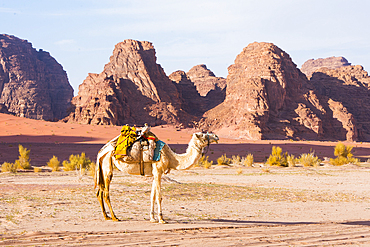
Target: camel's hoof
x,y
153,220
115,219
162,222
107,218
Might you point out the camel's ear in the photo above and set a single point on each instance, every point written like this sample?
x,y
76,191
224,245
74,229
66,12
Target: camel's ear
x,y
198,135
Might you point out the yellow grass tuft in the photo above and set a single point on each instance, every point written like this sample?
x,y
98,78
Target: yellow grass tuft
x,y
76,162
344,155
9,167
277,158
23,161
37,169
309,160
248,161
223,160
54,164
203,162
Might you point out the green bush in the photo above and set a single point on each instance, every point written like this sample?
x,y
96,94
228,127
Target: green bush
x,y
54,164
309,160
344,155
276,157
23,161
9,167
76,162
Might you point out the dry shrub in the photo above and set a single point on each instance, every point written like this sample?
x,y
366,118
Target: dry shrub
x,y
248,160
277,158
239,171
23,161
223,160
344,155
54,164
76,162
236,160
309,160
292,161
9,167
267,170
91,169
37,169
203,162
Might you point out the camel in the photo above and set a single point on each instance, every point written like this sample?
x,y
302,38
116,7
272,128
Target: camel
x,y
168,160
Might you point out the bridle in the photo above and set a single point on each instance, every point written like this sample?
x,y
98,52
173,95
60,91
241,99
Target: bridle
x,y
208,142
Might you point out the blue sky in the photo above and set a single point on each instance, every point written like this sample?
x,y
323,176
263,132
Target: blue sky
x,y
81,34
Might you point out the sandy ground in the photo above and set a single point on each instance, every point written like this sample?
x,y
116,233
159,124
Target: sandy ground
x,y
221,206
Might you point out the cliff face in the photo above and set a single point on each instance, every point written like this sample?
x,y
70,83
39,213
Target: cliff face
x,y
199,89
32,83
347,93
132,89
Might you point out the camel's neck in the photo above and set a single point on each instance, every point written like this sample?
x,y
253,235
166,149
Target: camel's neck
x,y
191,156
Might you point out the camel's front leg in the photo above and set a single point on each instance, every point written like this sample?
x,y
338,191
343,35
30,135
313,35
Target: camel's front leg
x,y
156,195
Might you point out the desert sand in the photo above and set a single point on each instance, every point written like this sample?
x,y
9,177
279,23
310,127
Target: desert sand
x,y
220,206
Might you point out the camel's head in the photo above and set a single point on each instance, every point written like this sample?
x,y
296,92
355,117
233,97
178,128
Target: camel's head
x,y
207,138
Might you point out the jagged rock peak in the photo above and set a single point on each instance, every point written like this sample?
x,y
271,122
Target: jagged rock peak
x,y
205,80
132,89
32,83
311,65
200,71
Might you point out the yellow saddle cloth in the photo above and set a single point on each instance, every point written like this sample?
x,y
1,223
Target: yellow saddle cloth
x,y
127,138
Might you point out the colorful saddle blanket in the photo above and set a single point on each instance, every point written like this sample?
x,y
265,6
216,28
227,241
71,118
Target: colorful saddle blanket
x,y
127,138
157,150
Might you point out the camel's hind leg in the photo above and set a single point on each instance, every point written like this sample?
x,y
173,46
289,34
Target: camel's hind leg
x,y
106,173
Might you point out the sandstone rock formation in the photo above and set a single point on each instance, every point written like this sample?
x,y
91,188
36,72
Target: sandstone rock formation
x,y
199,88
132,89
192,102
347,92
205,80
310,66
267,97
32,83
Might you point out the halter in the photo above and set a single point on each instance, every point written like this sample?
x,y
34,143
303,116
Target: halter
x,y
204,153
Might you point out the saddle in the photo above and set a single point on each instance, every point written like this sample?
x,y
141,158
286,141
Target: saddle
x,y
139,149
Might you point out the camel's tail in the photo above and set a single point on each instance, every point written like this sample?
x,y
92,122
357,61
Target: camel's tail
x,y
105,150
98,178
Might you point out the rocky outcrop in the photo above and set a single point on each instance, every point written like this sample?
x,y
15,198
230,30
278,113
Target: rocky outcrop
x,y
205,80
267,97
191,101
347,93
310,66
200,89
132,89
32,83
